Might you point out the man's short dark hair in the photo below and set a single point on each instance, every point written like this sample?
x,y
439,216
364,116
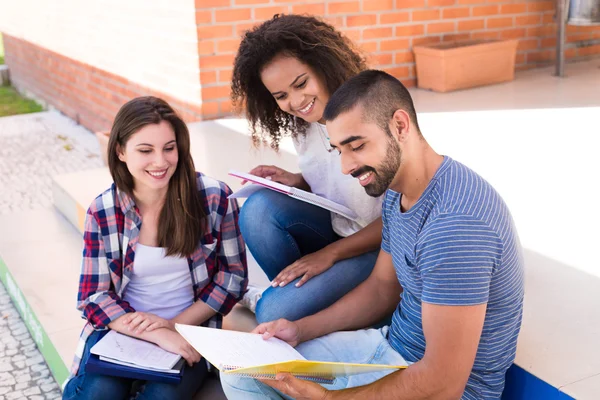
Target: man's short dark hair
x,y
378,93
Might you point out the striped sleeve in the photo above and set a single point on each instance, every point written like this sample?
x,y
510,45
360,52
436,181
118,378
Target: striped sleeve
x,y
457,256
96,298
385,233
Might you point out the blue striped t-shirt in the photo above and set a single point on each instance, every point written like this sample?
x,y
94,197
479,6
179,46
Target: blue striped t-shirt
x,y
457,246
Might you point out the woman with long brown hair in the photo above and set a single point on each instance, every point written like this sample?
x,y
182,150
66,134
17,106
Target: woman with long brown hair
x,y
161,246
284,73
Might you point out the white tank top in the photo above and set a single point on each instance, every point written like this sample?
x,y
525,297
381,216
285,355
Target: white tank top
x,y
159,285
322,170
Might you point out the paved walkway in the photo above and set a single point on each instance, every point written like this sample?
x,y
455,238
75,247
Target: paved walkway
x,y
33,148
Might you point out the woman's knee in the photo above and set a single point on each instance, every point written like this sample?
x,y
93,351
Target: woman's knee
x,y
256,209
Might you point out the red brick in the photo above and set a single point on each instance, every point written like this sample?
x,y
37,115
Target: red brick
x,y
540,6
471,25
398,72
548,42
456,37
527,20
425,15
378,5
225,106
215,92
210,108
588,50
515,33
361,20
217,61
485,35
528,44
369,47
204,17
403,57
215,31
248,2
383,59
485,10
517,8
501,22
440,27
394,44
240,29
228,45
235,15
410,4
225,75
410,30
394,18
548,18
541,56
206,47
268,12
375,33
212,3
542,31
310,9
352,34
346,7
440,3
208,77
456,12
470,1
425,40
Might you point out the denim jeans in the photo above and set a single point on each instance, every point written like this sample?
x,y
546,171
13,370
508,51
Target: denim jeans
x,y
367,346
279,230
87,386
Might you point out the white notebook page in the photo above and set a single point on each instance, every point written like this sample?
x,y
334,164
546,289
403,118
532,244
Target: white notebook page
x,y
134,351
239,349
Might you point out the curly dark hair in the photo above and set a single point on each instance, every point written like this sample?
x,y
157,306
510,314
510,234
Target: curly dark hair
x,y
315,43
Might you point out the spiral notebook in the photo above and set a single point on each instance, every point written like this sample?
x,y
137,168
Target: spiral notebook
x,y
259,183
249,355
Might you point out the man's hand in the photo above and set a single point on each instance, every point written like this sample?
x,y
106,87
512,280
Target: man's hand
x,y
308,267
282,329
175,343
296,388
138,322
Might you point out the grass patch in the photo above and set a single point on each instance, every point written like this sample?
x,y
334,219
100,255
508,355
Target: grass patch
x,y
12,103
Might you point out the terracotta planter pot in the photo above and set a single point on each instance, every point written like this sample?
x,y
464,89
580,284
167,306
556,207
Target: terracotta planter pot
x,y
452,66
103,142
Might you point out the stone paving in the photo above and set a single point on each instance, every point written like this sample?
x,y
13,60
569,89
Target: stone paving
x,y
33,148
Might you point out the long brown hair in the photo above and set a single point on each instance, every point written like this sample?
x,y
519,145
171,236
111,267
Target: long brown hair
x,y
313,42
181,223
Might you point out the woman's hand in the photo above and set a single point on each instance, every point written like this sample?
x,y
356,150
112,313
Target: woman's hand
x,y
138,322
175,343
308,266
279,175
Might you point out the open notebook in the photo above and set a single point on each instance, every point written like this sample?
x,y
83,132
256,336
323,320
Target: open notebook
x,y
249,355
120,349
261,183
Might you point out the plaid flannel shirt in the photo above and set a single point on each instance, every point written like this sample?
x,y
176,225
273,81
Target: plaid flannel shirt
x,y
112,225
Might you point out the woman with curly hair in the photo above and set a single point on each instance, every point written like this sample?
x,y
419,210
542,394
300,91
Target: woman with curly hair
x,y
283,75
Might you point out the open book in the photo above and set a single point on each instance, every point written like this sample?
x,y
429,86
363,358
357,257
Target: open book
x,y
249,355
120,349
261,183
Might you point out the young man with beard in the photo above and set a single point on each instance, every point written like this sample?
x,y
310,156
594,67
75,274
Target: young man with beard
x,y
450,265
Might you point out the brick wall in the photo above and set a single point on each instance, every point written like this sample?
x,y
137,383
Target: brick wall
x,y
89,95
387,30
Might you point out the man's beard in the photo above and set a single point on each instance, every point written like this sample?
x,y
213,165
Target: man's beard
x,y
386,171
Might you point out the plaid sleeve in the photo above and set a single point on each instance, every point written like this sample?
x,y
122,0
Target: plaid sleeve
x,y
229,283
96,298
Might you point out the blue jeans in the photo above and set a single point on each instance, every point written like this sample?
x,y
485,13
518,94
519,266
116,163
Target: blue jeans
x,y
279,230
367,346
86,386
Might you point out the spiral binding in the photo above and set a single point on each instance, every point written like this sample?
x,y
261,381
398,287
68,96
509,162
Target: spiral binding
x,y
313,377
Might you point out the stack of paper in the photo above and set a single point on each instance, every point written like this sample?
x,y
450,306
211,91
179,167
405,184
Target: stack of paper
x,y
121,349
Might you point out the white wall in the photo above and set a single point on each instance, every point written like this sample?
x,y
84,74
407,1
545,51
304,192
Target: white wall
x,y
150,42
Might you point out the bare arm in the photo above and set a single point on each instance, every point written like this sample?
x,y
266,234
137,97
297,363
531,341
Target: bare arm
x,y
368,303
452,334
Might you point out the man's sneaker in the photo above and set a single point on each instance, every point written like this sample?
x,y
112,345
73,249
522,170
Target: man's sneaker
x,y
251,297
